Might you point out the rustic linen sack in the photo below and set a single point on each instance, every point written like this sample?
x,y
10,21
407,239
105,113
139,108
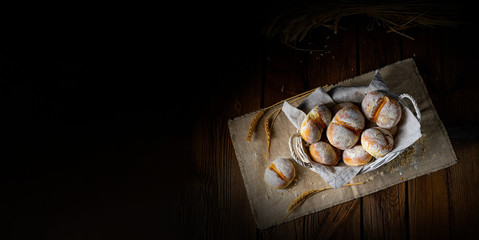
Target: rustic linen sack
x,y
432,152
409,129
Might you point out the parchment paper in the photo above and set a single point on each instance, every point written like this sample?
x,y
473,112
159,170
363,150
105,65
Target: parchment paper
x,y
432,152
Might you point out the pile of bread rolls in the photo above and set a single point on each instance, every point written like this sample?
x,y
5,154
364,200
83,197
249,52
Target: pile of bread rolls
x,y
352,134
359,133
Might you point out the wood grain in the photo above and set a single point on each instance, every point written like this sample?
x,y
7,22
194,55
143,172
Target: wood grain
x,y
427,196
462,177
459,60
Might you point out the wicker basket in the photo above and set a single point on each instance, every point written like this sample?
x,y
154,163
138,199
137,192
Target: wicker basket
x,y
297,145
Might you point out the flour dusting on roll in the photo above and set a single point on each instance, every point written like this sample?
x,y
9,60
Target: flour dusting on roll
x,y
314,124
356,156
324,153
345,128
382,109
377,141
280,173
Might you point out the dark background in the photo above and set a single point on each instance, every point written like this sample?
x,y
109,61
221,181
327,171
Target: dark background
x,y
98,104
97,107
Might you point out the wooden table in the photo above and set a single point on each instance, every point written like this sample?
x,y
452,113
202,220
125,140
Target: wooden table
x,y
255,72
100,142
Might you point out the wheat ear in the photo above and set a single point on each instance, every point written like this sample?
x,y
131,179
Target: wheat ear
x,y
267,129
258,116
300,200
253,124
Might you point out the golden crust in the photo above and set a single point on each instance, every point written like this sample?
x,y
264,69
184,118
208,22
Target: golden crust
x,y
356,156
381,109
345,129
324,153
314,124
377,141
280,173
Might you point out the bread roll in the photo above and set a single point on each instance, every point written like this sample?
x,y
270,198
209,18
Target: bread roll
x,y
314,124
324,153
393,130
377,141
340,106
345,128
356,156
382,109
280,173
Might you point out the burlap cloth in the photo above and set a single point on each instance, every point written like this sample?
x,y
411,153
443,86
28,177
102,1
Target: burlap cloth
x,y
433,151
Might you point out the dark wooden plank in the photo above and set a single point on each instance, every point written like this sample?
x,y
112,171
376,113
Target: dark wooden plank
x,y
384,212
343,221
244,95
215,203
427,195
458,87
459,90
463,182
337,60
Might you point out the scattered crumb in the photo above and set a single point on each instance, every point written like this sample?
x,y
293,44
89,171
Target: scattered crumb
x,y
324,196
381,173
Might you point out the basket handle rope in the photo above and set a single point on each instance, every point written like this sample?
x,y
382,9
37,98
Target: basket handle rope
x,y
303,158
414,103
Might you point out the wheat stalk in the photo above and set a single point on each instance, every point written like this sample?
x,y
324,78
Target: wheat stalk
x,y
257,117
253,124
292,25
267,129
303,197
269,121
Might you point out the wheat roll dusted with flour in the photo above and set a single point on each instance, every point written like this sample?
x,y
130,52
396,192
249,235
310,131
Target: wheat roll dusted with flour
x,y
381,109
324,153
335,109
345,128
314,124
377,141
280,173
356,156
393,130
